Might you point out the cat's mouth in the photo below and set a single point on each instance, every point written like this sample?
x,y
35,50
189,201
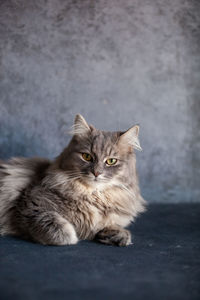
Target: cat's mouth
x,y
96,179
93,180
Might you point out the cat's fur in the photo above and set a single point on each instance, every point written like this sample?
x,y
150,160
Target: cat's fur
x,y
59,202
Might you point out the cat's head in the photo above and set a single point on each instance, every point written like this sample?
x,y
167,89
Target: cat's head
x,y
100,158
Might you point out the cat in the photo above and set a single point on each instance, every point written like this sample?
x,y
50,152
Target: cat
x,y
90,191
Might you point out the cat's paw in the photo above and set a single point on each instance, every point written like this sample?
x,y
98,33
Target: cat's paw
x,y
117,237
70,237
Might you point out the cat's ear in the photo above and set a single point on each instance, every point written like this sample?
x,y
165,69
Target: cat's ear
x,y
80,126
130,137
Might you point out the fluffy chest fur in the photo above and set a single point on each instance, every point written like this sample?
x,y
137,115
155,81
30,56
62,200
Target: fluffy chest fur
x,y
90,210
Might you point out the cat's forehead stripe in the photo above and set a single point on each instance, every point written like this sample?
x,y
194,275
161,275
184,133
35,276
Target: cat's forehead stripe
x,y
102,143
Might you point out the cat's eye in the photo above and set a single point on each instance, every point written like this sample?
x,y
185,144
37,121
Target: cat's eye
x,y
111,161
87,156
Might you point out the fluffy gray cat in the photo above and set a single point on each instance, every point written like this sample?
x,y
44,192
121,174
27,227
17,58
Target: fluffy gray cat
x,y
90,191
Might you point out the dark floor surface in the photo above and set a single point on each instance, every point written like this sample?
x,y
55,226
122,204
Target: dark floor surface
x,y
163,263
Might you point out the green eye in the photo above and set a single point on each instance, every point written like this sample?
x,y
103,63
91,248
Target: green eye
x,y
111,161
87,156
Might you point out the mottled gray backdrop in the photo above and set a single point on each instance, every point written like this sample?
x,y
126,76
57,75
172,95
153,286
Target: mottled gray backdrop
x,y
117,62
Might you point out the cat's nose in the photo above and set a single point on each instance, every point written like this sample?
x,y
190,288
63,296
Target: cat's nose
x,y
97,173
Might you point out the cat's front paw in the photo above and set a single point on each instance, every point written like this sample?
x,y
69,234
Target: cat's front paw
x,y
117,237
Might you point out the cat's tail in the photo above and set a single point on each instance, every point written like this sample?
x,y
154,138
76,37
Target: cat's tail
x,y
15,176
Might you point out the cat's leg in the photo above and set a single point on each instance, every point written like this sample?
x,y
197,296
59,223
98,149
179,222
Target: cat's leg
x,y
49,228
114,235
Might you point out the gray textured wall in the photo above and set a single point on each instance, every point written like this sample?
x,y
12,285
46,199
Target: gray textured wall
x,y
118,62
